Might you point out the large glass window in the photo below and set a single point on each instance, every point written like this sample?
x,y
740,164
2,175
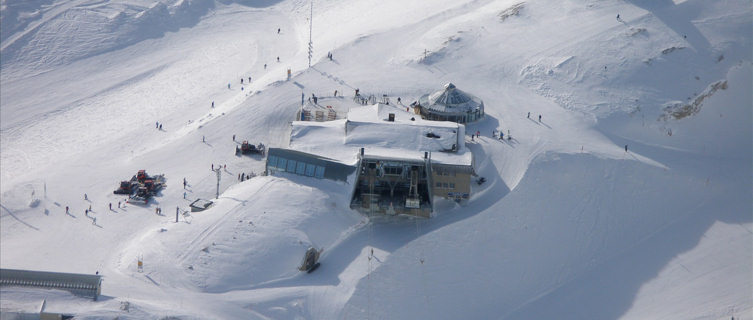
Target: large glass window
x,y
300,168
319,172
282,163
310,169
291,166
272,161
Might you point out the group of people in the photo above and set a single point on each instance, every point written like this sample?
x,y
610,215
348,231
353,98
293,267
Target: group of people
x,y
246,176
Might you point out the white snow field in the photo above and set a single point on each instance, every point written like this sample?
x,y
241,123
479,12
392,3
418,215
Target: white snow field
x,y
569,225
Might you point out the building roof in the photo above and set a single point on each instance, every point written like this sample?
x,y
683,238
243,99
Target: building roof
x,y
367,127
451,100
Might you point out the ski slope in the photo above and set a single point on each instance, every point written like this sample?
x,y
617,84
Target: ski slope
x,y
570,224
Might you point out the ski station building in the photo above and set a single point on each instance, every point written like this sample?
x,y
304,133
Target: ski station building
x,y
395,161
451,104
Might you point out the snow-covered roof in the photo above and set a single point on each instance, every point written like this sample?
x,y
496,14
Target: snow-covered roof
x,y
407,137
451,100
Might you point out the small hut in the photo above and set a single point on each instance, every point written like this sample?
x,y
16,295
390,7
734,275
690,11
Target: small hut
x,y
451,104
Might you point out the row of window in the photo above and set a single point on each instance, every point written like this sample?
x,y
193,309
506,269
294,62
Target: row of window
x,y
444,173
293,166
445,185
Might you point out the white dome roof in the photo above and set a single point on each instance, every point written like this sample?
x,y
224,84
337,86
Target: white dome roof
x,y
451,100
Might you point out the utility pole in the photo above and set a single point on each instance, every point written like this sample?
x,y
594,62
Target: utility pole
x,y
219,175
311,26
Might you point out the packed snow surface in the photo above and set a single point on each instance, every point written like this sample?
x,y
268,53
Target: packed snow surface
x,y
624,189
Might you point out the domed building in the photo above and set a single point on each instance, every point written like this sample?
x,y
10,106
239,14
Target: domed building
x,y
451,104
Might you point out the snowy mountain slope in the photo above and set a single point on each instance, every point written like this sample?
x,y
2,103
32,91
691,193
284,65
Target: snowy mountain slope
x,y
568,224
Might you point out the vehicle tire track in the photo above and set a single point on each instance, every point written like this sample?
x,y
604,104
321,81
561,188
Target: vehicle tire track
x,y
210,230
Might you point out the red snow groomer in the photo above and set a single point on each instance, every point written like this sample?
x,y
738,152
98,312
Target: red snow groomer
x,y
247,148
146,186
126,187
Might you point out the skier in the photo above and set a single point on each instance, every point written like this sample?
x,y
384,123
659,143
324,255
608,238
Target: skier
x,y
212,104
529,115
94,221
184,183
156,124
118,204
110,206
625,148
278,59
398,99
265,66
228,85
241,80
202,139
501,135
86,197
66,209
184,194
539,118
278,30
335,93
249,79
618,17
160,126
212,166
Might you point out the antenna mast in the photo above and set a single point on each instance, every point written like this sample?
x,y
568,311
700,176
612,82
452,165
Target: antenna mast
x,y
311,26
